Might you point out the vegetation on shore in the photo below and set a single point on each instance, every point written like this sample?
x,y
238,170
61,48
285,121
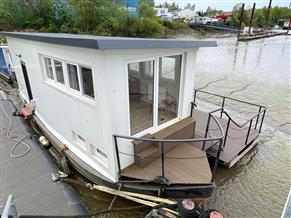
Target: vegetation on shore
x,y
262,17
98,17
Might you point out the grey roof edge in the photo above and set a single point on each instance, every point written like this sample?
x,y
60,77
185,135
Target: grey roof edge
x,y
104,42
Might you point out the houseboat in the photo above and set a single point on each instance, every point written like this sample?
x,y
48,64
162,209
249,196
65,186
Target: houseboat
x,y
122,110
5,63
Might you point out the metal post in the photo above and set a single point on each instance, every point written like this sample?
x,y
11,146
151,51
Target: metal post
x,y
258,117
262,121
252,16
241,19
226,132
289,20
248,134
117,154
222,105
10,206
192,108
216,160
163,159
195,94
206,131
269,10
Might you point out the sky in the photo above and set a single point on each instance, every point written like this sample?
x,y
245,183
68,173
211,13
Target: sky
x,y
226,5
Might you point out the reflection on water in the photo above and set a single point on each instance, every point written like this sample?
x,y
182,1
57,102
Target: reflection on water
x,y
259,72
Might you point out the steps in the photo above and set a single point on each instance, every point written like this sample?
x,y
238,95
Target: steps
x,y
147,152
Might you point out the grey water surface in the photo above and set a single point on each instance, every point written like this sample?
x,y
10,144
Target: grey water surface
x,y
259,72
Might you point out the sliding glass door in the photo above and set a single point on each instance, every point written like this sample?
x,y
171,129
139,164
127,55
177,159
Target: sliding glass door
x,y
153,92
169,87
141,95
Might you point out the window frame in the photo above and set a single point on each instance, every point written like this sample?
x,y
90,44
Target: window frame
x,y
78,73
66,86
157,75
81,81
55,72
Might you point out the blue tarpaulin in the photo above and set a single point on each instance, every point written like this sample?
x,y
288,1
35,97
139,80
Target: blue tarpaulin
x,y
3,65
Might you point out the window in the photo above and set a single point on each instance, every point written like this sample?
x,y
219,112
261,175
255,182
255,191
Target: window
x,y
99,155
169,85
153,96
141,86
49,68
80,141
87,80
73,76
59,71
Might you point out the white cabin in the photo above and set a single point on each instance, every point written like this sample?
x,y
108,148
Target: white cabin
x,y
87,88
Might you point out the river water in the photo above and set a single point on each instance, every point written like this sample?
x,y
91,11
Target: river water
x,y
258,72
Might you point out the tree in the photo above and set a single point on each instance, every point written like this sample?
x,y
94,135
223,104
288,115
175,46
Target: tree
x,y
173,7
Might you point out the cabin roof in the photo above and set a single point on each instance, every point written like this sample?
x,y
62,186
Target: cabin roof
x,y
105,42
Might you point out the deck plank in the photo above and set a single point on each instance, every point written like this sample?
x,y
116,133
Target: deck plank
x,y
177,171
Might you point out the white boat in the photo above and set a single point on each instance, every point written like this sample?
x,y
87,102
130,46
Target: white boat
x,y
120,109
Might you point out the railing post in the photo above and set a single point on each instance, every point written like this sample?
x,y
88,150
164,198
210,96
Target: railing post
x,y
195,94
262,121
206,131
226,132
117,154
258,117
248,134
163,159
216,160
222,106
192,108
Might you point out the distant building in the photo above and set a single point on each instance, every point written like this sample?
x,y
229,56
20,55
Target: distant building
x,y
161,12
187,14
131,5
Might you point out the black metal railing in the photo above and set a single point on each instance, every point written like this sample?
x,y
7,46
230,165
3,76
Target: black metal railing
x,y
258,118
219,139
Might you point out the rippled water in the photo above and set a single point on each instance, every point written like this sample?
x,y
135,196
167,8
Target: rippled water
x,y
259,72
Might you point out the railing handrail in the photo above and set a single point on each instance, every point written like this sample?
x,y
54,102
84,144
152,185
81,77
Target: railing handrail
x,y
246,122
179,140
233,99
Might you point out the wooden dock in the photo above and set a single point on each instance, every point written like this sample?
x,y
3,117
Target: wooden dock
x,y
259,36
28,177
235,146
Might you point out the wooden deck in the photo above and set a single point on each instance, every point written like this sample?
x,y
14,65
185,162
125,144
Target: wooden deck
x,y
185,164
235,146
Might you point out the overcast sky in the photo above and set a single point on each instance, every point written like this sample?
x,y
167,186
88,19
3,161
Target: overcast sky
x,y
225,5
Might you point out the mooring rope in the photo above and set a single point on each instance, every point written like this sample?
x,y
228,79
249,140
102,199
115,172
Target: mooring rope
x,y
17,141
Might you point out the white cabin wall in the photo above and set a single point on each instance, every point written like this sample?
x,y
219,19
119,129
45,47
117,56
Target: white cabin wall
x,y
62,111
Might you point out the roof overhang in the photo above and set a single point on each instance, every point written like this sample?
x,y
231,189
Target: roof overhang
x,y
104,42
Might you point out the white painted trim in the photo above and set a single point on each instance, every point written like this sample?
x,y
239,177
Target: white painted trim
x,y
76,151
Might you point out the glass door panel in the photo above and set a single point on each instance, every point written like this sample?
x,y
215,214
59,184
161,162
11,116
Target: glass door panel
x,y
141,95
169,86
